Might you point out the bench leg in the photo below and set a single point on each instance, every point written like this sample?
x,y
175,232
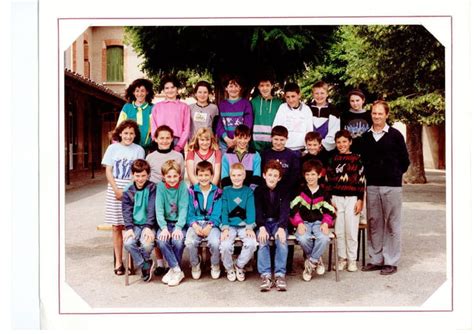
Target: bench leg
x,y
127,263
330,257
289,259
336,259
363,247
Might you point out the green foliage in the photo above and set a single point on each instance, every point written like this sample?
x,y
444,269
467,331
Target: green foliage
x,y
403,64
283,51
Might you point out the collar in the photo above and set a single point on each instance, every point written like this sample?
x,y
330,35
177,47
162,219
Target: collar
x,y
385,129
140,107
164,151
176,186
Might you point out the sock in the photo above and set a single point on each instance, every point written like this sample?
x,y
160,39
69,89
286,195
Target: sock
x,y
177,269
160,263
145,265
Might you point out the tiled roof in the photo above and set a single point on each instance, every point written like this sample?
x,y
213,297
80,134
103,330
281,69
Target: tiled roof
x,y
91,83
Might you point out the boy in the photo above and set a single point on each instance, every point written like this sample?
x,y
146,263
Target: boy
x,y
346,183
139,217
265,107
287,158
238,219
326,119
171,209
272,209
204,218
312,215
295,116
234,110
248,157
163,137
315,151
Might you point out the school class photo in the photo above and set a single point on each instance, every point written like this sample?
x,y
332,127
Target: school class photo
x,y
255,149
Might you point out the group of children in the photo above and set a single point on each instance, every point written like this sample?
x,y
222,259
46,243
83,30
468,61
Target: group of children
x,y
270,170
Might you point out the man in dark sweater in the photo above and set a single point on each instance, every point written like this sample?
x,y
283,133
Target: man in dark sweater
x,y
385,158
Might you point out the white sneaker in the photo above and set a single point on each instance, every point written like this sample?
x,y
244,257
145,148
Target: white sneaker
x,y
342,264
196,271
176,278
167,276
240,274
320,270
215,271
352,266
231,276
308,270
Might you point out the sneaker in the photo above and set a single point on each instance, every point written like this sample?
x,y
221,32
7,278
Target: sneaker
x,y
342,264
231,276
352,266
167,277
215,271
320,270
265,284
308,270
280,283
159,271
176,278
240,274
196,270
147,270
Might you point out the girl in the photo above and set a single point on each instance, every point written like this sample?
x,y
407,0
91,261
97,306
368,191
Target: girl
x,y
118,160
233,111
139,95
203,147
356,120
172,112
203,112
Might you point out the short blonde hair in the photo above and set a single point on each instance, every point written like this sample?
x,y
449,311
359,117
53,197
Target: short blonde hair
x,y
170,165
194,143
237,165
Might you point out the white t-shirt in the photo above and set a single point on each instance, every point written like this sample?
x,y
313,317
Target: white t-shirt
x,y
121,157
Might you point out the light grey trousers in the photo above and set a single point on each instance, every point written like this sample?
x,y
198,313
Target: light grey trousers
x,y
384,214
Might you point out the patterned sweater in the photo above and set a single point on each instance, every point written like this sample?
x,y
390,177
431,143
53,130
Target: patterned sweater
x,y
309,207
231,115
238,208
345,175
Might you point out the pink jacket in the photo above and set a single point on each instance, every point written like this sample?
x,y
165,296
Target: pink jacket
x,y
177,115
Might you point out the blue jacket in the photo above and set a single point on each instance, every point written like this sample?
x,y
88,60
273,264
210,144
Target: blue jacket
x,y
213,209
138,205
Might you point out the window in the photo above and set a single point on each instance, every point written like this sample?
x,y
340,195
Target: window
x,y
115,63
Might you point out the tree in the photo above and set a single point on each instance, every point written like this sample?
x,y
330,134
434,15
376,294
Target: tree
x,y
402,64
247,51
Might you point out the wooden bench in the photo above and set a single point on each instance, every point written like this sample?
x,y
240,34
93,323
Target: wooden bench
x,y
291,240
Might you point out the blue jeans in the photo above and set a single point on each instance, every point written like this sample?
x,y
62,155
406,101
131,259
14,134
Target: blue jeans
x,y
313,248
193,240
172,249
263,259
249,245
138,248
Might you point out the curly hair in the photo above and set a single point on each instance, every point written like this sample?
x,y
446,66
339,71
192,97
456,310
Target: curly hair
x,y
139,83
124,125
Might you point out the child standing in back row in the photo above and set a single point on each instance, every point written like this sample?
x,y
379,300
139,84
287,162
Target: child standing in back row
x,y
234,110
326,118
203,112
265,107
139,96
172,112
346,184
295,116
118,160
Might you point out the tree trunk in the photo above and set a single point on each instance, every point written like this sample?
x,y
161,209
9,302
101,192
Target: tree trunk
x,y
416,170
